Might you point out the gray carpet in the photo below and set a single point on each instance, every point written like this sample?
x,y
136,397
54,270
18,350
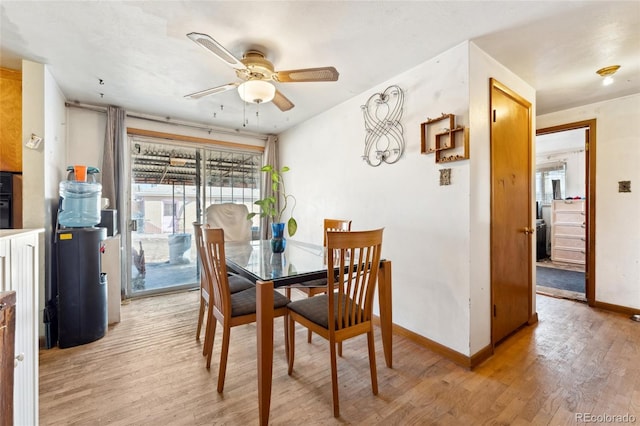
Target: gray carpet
x,y
560,279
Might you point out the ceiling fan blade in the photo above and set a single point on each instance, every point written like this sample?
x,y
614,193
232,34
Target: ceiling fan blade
x,y
216,48
282,102
307,74
212,91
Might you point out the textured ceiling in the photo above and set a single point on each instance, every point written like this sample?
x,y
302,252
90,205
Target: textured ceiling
x,y
147,64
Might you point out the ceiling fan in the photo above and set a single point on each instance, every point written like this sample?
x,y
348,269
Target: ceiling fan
x,y
257,74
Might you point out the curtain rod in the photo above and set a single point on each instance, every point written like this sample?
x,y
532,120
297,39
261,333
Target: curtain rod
x,y
103,109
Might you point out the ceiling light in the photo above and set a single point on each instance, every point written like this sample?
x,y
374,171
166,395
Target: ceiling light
x,y
256,91
607,73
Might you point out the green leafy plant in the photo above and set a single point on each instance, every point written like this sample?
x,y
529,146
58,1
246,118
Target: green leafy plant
x,y
268,205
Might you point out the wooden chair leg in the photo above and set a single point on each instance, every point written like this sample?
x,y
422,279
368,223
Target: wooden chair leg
x,y
224,352
200,318
334,378
207,337
309,331
292,343
210,335
372,362
286,337
208,332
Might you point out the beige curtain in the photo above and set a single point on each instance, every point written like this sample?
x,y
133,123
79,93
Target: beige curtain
x,y
270,157
112,158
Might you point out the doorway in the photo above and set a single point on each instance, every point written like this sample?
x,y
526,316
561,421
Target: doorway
x,y
565,216
171,185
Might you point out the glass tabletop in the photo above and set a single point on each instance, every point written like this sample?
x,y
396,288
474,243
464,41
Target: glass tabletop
x,y
300,261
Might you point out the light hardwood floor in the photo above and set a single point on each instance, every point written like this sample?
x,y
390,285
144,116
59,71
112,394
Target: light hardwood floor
x,y
149,370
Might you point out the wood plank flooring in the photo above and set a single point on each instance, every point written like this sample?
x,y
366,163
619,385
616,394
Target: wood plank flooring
x,y
149,370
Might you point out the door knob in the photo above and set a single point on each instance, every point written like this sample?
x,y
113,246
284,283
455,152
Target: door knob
x,y
19,358
527,230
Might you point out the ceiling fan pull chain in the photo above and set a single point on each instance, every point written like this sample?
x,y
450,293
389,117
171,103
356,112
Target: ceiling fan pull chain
x,y
244,114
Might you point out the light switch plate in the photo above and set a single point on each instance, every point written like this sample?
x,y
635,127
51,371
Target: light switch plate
x,y
624,186
445,177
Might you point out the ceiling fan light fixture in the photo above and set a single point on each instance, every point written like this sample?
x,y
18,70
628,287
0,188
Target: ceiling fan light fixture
x,y
607,73
257,91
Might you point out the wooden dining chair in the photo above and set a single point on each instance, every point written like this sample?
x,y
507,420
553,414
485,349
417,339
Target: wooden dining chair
x,y
236,282
347,312
229,309
319,286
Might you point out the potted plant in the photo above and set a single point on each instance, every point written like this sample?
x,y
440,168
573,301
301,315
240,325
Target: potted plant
x,y
268,208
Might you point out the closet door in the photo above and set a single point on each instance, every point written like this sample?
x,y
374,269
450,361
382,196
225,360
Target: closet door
x,y
511,206
19,272
7,349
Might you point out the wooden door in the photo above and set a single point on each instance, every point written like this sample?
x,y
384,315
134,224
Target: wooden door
x,y
511,223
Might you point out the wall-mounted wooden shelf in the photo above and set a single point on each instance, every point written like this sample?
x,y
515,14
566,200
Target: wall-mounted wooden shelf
x,y
429,131
449,142
456,138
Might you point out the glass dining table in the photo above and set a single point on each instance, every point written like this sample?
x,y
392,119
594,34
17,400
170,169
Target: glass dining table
x,y
300,262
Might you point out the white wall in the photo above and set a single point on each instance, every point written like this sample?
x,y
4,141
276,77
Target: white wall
x,y
426,228
43,113
86,137
33,95
617,214
436,236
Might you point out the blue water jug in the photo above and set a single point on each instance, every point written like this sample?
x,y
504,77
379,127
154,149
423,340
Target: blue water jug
x,y
79,204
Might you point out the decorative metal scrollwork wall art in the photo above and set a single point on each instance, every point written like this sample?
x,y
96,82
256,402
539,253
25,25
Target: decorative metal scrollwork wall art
x,y
384,141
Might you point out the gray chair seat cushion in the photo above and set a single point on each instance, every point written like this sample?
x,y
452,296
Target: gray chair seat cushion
x,y
315,283
315,309
238,283
244,302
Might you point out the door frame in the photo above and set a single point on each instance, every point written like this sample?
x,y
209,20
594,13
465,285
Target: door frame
x,y
127,239
197,143
590,190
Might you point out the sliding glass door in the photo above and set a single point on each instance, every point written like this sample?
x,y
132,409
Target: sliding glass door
x,y
171,185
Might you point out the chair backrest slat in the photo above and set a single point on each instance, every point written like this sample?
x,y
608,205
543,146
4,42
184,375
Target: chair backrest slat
x,y
197,232
335,225
357,255
216,268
